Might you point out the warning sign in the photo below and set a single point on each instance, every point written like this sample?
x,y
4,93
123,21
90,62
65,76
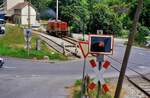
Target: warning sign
x,y
99,75
84,46
101,44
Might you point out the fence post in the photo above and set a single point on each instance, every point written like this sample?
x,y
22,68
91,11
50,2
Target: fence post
x,y
38,44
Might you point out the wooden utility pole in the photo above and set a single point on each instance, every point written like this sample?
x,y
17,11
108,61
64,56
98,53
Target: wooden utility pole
x,y
128,49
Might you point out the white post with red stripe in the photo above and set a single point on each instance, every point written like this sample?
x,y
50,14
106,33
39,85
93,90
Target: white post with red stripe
x,y
99,75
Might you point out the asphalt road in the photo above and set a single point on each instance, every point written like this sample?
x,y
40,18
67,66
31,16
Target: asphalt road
x,y
33,79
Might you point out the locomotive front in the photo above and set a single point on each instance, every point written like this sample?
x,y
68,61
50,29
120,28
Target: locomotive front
x,y
57,28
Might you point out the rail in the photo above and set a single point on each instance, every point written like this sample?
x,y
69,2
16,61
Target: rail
x,y
59,48
140,82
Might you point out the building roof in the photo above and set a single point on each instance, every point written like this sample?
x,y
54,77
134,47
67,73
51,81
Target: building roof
x,y
21,5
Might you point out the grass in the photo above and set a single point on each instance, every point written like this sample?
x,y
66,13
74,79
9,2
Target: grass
x,y
77,91
12,44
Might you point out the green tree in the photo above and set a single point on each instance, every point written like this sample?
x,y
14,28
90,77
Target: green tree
x,y
41,4
145,16
140,37
106,19
75,13
1,1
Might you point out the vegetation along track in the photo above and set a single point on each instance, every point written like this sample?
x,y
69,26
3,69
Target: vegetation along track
x,y
54,45
140,81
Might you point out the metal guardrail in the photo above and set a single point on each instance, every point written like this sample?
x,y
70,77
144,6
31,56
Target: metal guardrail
x,y
59,48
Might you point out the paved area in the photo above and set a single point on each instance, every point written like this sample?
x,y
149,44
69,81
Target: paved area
x,y
28,79
34,86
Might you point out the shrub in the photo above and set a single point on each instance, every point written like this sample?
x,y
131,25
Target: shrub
x,y
140,37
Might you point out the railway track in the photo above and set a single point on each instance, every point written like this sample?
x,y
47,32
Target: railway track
x,y
140,81
54,44
71,40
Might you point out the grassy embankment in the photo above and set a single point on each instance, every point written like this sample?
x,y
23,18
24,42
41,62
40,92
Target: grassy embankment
x,y
12,44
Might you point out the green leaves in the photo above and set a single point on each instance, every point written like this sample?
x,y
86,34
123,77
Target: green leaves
x,y
104,18
112,16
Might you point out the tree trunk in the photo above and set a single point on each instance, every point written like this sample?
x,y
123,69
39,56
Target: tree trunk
x,y
128,49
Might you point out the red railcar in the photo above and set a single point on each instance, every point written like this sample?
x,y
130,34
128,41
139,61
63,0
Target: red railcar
x,y
57,28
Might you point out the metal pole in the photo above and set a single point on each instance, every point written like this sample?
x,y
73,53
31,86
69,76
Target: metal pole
x,y
28,46
99,84
83,77
29,14
28,25
84,67
128,49
56,9
83,32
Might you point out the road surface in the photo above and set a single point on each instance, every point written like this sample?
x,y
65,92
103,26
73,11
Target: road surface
x,y
34,79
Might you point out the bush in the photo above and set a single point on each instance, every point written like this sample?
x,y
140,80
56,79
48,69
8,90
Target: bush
x,y
140,37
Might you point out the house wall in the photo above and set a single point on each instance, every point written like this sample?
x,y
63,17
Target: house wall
x,y
12,3
24,16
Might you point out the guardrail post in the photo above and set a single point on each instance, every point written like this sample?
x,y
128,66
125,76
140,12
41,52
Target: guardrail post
x,y
38,44
76,49
63,45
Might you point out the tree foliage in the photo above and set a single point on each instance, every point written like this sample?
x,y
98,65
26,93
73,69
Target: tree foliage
x,y
140,38
145,16
112,16
106,19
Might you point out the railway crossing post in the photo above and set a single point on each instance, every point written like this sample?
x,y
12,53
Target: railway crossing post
x,y
27,37
84,49
100,59
99,74
100,45
29,12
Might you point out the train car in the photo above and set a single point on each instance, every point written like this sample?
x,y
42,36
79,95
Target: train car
x,y
57,28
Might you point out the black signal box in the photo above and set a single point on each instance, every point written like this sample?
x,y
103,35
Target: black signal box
x,y
101,44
